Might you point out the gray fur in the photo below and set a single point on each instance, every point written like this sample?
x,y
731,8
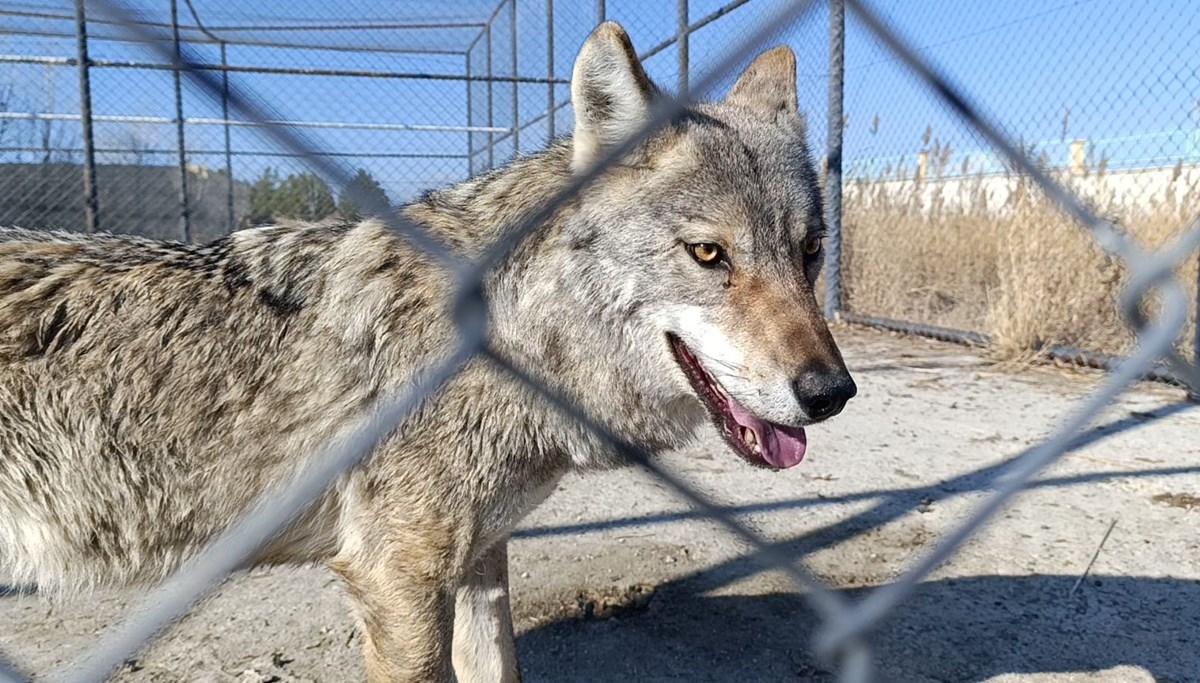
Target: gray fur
x,y
149,391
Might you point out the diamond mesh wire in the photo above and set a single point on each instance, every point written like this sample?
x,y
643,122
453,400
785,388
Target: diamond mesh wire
x,y
970,243
844,635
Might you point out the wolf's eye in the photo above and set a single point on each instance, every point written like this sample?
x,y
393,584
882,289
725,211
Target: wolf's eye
x,y
812,245
706,253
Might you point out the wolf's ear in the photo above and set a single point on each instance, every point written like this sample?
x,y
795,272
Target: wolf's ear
x,y
768,85
611,93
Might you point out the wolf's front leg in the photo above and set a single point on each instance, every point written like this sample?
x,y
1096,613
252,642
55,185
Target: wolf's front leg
x,y
405,610
484,651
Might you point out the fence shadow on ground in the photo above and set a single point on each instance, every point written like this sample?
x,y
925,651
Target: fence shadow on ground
x,y
958,630
967,629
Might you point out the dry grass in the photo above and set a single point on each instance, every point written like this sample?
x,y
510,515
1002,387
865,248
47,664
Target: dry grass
x,y
935,252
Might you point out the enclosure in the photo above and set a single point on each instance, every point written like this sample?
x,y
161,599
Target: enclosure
x,y
415,98
1017,177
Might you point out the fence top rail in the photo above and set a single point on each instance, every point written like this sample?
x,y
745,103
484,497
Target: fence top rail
x,y
209,121
232,28
274,70
203,39
235,152
44,21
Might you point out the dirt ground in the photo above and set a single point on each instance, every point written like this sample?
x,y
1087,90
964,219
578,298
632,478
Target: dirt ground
x,y
615,579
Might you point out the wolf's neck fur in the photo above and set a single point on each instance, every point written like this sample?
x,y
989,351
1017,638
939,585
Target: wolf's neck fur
x,y
527,297
563,320
473,214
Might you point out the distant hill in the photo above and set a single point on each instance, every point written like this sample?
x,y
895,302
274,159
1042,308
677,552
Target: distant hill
x,y
137,200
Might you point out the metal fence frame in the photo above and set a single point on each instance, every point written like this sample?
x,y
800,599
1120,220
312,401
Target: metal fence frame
x,y
835,303
170,34
842,638
478,158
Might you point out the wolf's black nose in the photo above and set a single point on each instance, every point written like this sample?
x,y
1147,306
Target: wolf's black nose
x,y
822,394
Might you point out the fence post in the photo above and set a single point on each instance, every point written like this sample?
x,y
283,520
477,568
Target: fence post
x,y
1192,395
833,174
550,70
83,62
229,219
601,12
491,137
185,221
683,31
516,87
470,118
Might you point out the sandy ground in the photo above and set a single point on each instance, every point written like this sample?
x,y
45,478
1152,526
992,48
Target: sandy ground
x,y
615,579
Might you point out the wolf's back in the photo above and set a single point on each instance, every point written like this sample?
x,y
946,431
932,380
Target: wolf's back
x,y
151,390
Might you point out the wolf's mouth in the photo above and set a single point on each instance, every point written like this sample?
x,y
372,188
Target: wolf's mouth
x,y
758,441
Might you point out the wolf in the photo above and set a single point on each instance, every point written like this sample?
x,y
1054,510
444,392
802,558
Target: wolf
x,y
150,391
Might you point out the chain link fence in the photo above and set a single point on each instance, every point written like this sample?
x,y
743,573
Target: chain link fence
x,y
943,231
388,97
179,124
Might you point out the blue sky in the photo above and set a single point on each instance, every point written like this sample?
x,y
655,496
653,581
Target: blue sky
x,y
1128,72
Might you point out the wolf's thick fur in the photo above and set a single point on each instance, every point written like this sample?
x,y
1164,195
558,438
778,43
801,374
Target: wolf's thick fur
x,y
150,391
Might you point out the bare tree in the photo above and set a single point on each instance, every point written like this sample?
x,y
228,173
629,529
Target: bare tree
x,y
137,149
50,89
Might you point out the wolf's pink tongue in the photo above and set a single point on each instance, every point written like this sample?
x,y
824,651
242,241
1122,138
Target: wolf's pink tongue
x,y
782,446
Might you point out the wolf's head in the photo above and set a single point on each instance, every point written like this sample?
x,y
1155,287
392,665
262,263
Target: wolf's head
x,y
711,234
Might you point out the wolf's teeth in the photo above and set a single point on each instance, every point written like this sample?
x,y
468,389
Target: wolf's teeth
x,y
750,437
